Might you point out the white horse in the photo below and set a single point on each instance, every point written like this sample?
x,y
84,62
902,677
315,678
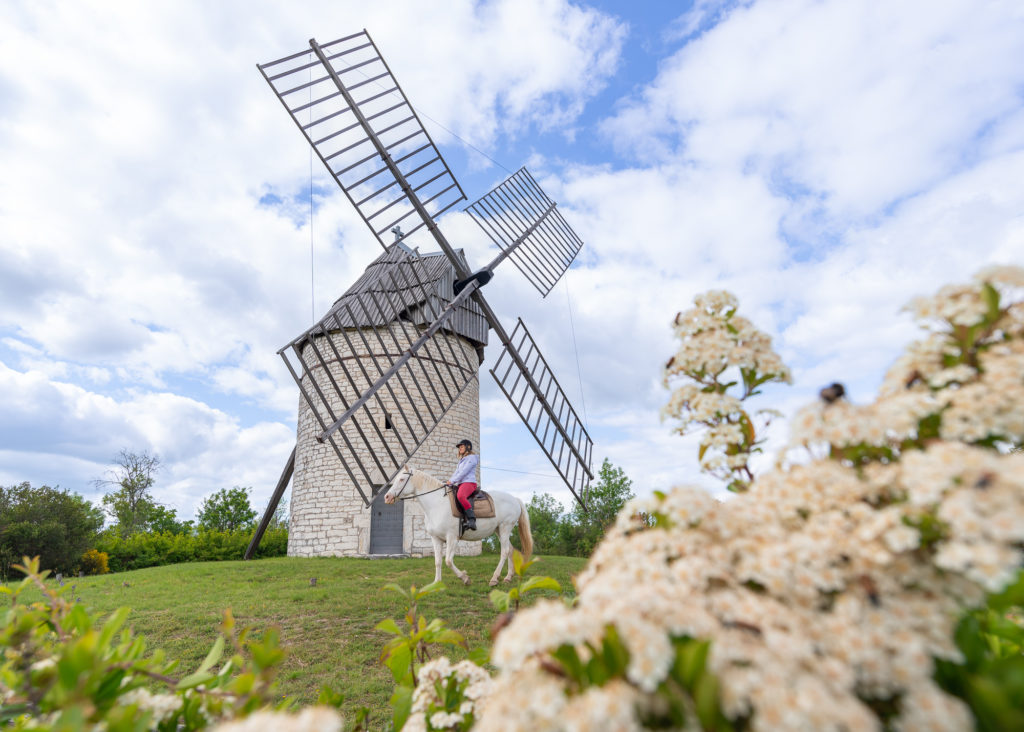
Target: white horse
x,y
443,528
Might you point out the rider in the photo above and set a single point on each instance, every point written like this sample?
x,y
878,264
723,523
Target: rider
x,y
463,476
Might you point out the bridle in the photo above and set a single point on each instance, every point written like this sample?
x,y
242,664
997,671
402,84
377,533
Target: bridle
x,y
400,497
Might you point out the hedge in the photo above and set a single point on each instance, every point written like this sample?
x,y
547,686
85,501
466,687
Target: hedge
x,y
158,548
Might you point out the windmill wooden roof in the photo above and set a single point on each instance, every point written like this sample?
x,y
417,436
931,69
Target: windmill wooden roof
x,y
414,288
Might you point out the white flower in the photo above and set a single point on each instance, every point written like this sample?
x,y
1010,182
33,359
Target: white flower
x,y
310,719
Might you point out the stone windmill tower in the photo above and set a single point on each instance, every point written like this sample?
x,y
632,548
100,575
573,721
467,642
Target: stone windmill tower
x,y
389,376
327,515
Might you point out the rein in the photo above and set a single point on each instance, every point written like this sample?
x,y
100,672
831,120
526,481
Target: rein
x,y
417,495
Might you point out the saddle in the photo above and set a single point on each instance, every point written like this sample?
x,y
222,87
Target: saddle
x,y
483,504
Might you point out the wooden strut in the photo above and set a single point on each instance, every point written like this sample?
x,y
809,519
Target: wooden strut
x,y
268,515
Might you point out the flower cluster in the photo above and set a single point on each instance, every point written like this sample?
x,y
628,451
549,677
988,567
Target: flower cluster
x,y
826,595
310,719
446,695
720,351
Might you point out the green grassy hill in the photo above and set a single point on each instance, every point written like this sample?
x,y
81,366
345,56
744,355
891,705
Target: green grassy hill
x,y
328,628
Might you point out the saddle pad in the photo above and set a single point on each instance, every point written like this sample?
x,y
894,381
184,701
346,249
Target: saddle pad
x,y
483,504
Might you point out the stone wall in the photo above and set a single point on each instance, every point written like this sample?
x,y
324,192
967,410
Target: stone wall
x,y
328,517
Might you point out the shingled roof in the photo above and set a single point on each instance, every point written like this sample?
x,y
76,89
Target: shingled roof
x,y
398,285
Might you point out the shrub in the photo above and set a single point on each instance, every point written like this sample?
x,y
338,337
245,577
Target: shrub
x,y
94,562
47,522
63,669
866,583
722,361
154,549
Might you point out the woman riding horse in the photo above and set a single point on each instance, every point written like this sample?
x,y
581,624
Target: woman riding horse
x,y
463,476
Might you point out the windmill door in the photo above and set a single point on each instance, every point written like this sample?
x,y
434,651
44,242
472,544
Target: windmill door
x,y
386,527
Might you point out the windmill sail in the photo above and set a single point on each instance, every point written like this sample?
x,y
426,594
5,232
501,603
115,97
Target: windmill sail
x,y
392,340
348,105
524,223
530,386
345,101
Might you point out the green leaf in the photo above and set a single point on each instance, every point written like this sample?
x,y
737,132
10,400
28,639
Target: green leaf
x,y
615,653
395,588
480,655
451,637
113,624
499,600
193,680
748,428
566,655
1012,595
517,562
991,297
330,698
213,656
969,641
705,697
399,662
388,626
690,658
430,589
541,583
78,619
401,705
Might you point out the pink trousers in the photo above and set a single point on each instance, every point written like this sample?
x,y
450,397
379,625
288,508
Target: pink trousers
x,y
464,492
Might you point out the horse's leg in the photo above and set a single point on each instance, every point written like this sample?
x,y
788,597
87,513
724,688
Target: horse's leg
x,y
438,552
450,560
506,550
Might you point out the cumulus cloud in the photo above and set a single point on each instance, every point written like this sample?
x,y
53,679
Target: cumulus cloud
x,y
156,249
823,160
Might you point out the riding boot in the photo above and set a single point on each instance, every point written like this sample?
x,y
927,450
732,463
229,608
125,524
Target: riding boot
x,y
470,518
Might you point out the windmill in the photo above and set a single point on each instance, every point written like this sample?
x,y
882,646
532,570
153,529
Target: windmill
x,y
395,354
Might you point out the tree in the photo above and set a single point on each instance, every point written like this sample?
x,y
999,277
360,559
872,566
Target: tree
x,y
227,510
607,497
165,520
54,524
547,524
131,505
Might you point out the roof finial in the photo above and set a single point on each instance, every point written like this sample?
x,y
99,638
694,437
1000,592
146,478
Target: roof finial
x,y
397,231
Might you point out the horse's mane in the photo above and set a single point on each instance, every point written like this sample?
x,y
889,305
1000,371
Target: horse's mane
x,y
422,480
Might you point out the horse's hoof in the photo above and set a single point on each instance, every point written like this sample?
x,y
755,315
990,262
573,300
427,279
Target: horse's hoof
x,y
507,580
493,582
465,580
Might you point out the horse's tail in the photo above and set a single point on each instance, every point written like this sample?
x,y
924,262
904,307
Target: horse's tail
x,y
525,536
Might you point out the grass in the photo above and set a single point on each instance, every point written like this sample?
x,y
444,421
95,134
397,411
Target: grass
x,y
328,628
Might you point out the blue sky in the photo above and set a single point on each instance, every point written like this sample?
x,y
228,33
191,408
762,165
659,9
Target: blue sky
x,y
824,160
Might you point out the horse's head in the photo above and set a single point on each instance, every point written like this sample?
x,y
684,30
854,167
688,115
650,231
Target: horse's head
x,y
398,484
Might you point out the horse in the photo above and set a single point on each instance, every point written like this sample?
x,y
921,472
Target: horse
x,y
432,495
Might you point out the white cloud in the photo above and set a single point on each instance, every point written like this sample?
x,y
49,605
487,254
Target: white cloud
x,y
825,161
135,255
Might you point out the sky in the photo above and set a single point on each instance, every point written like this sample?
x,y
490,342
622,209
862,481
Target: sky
x,y
824,160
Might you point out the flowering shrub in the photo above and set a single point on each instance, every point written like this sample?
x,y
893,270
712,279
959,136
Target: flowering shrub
x,y
446,695
94,562
839,591
721,362
62,669
411,646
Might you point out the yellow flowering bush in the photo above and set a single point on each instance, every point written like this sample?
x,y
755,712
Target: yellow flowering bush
x,y
94,562
841,591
